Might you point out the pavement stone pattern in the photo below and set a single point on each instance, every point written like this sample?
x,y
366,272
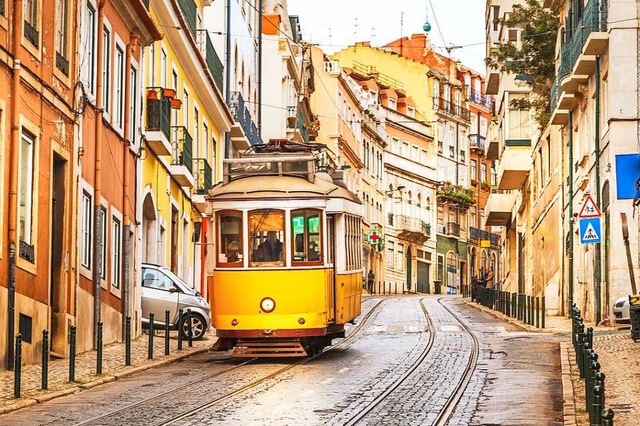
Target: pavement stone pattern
x,y
619,358
113,367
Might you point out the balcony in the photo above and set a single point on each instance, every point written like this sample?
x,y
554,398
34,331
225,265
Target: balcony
x,y
514,164
202,182
456,195
244,130
477,142
413,229
190,13
182,163
453,229
31,34
481,99
483,238
158,128
213,62
499,208
493,82
448,107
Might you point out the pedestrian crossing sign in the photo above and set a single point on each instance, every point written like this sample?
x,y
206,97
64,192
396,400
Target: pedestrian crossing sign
x,y
590,232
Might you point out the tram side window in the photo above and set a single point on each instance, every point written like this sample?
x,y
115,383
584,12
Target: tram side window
x,y
353,242
230,238
266,233
307,236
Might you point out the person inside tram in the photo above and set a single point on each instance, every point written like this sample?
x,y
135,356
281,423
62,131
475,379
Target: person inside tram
x,y
270,250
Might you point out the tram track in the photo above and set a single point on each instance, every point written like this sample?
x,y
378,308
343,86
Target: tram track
x,y
449,406
160,399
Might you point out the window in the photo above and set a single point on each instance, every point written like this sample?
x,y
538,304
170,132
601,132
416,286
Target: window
x,y
392,104
400,261
106,67
185,109
230,252
133,104
390,255
306,235
353,243
266,236
116,249
31,25
440,271
156,280
436,94
87,222
62,18
90,47
163,68
103,243
152,64
474,170
483,172
118,113
452,151
26,201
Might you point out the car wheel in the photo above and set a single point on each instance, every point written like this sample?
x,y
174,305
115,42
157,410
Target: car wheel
x,y
199,327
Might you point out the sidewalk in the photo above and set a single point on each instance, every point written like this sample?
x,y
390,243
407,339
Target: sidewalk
x,y
619,359
113,367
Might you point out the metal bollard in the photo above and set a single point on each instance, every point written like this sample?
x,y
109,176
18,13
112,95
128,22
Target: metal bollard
x,y
190,334
537,312
544,312
151,327
17,367
72,353
595,414
99,350
45,360
166,332
599,382
180,319
607,417
127,341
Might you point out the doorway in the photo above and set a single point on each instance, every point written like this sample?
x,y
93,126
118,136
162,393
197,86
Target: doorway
x,y
57,290
409,269
422,284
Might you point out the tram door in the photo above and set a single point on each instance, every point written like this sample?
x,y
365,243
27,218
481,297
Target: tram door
x,y
331,274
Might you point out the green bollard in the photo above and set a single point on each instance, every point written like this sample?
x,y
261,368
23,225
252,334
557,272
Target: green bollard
x,y
166,332
537,312
190,333
607,417
127,341
600,376
596,409
580,349
180,320
151,330
544,312
17,367
72,353
99,350
45,360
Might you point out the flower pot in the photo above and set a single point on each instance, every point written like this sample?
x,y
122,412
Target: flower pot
x,y
291,122
168,93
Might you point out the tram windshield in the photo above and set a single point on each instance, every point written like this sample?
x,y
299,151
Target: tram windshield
x,y
266,228
307,238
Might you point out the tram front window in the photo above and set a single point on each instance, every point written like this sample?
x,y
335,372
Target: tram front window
x,y
307,239
266,229
230,243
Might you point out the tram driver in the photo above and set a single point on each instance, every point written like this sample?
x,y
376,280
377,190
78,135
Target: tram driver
x,y
270,250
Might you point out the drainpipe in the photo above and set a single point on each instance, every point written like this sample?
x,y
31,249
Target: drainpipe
x,y
126,199
227,91
259,106
97,209
598,271
13,186
571,218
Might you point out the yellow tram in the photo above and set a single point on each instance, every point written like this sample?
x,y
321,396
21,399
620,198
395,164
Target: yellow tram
x,y
288,252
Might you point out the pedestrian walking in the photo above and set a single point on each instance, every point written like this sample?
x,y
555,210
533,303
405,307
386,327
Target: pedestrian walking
x,y
371,277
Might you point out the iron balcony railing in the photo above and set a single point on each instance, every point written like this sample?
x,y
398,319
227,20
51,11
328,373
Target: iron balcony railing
x,y
481,99
213,62
2,8
495,239
203,175
477,141
190,13
453,229
62,64
31,34
442,104
241,115
182,148
481,234
159,115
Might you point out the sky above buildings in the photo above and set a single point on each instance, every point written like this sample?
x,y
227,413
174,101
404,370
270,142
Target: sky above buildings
x,y
335,24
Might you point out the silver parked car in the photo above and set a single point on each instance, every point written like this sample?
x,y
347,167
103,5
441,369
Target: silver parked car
x,y
621,309
162,290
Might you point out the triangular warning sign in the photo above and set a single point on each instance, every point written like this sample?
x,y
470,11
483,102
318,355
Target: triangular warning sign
x,y
590,233
589,208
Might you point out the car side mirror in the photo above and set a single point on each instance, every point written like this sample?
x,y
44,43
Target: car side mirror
x,y
173,290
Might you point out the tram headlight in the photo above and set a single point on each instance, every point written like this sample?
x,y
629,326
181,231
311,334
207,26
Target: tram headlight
x,y
267,304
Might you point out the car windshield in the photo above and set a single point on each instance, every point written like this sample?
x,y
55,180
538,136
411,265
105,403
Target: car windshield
x,y
184,287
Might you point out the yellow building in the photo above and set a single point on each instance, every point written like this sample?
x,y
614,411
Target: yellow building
x,y
186,118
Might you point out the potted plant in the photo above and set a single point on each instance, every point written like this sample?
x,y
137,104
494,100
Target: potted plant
x,y
291,122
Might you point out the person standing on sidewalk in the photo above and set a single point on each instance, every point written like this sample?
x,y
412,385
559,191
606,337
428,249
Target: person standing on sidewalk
x,y
371,277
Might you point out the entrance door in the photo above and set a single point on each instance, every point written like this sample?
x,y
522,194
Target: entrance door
x,y
409,270
57,293
422,283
